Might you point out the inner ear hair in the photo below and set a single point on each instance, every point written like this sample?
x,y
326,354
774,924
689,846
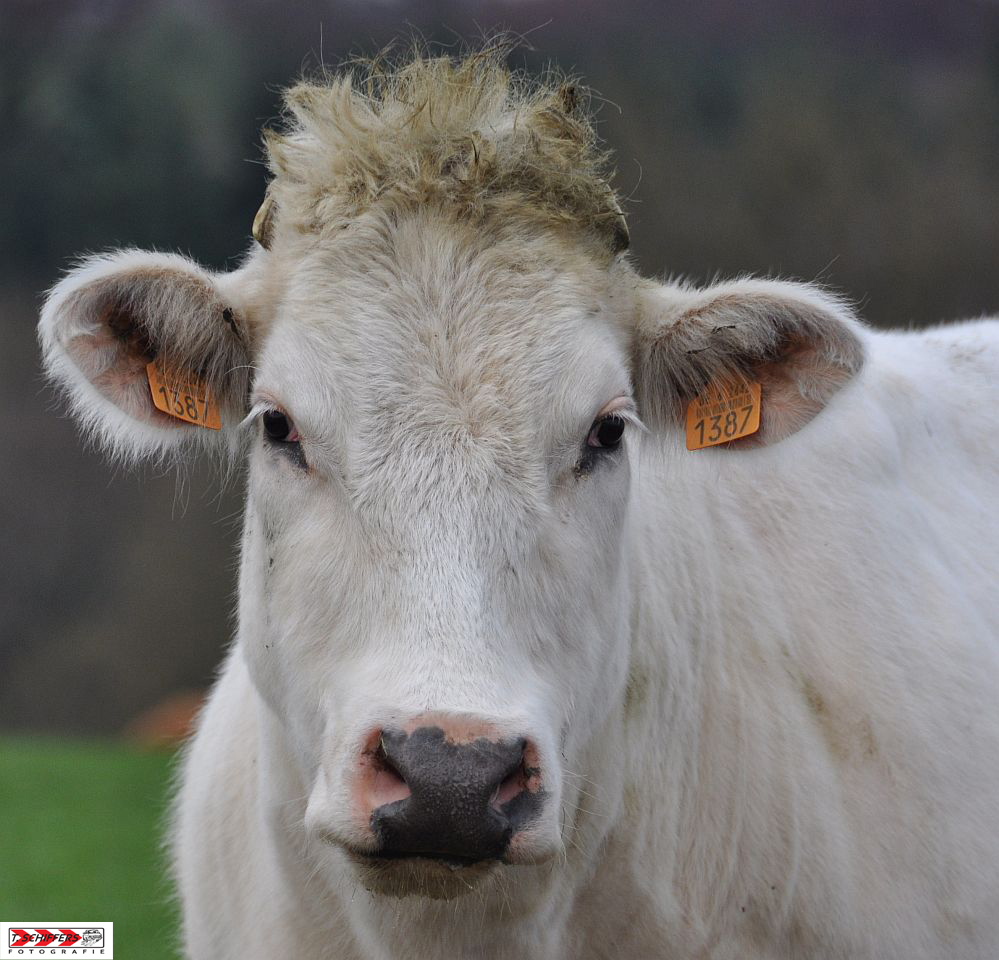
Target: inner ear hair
x,y
125,326
800,343
158,313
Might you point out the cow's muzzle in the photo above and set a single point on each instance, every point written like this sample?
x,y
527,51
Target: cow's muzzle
x,y
447,789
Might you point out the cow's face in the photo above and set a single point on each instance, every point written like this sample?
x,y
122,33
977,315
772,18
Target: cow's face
x,y
434,599
433,595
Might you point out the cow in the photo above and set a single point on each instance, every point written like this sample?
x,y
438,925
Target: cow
x,y
581,615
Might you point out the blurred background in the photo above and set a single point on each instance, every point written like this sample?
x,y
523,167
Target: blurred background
x,y
856,143
851,142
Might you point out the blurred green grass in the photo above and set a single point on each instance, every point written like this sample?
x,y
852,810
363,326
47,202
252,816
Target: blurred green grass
x,y
81,826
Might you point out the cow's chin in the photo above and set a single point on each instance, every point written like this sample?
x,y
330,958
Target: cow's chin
x,y
420,877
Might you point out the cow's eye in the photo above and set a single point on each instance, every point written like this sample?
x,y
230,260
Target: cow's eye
x,y
606,433
280,431
278,427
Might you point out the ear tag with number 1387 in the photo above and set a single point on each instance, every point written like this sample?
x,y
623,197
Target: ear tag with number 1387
x,y
182,396
723,412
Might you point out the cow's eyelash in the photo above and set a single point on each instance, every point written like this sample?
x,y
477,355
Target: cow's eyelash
x,y
629,415
256,412
263,406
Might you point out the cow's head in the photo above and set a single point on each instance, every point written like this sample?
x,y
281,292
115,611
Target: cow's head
x,y
438,364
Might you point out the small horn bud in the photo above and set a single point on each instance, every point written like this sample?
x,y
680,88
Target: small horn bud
x,y
568,96
620,235
263,222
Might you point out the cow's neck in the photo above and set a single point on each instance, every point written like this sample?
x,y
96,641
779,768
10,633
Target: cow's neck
x,y
714,795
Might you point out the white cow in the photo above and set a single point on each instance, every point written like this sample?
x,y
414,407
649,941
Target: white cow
x,y
517,674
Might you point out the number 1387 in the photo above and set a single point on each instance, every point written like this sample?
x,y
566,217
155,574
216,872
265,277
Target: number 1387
x,y
718,426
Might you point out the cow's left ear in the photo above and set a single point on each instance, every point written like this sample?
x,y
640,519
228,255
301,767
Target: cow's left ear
x,y
800,343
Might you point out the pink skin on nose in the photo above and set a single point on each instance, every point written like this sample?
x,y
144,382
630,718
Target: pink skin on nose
x,y
457,729
375,783
526,777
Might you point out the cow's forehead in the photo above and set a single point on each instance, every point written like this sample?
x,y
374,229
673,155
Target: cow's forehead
x,y
427,326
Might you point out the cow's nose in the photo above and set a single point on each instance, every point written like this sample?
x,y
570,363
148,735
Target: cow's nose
x,y
432,794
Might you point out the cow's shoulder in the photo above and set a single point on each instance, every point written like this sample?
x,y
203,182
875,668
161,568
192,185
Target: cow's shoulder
x,y
939,390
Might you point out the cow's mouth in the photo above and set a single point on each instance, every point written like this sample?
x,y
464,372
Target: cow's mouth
x,y
448,860
420,875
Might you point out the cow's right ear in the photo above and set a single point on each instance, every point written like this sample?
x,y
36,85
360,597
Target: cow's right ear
x,y
112,316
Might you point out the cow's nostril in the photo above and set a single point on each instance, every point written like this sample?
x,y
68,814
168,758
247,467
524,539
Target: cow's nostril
x,y
511,785
382,759
389,784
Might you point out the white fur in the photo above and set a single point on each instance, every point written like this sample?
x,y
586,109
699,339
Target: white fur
x,y
763,681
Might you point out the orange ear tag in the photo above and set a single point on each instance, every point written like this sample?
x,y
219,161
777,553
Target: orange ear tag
x,y
182,396
723,412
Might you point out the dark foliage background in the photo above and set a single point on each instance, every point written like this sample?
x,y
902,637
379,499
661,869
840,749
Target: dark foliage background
x,y
852,142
